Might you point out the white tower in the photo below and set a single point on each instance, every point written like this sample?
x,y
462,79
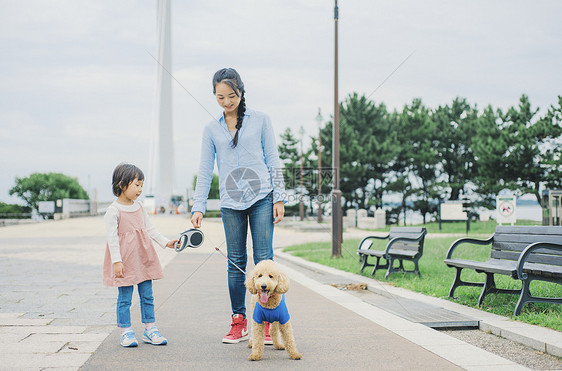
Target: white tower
x,y
161,158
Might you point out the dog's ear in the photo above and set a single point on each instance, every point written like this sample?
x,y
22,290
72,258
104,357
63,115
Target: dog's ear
x,y
282,283
250,285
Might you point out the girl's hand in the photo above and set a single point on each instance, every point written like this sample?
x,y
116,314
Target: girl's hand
x,y
196,219
278,212
172,243
119,269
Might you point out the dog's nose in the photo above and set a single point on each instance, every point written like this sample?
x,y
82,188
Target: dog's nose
x,y
264,286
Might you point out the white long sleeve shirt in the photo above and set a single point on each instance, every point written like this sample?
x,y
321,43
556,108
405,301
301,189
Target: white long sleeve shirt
x,y
111,219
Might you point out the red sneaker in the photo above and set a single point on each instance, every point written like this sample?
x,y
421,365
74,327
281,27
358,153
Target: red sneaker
x,y
238,330
267,340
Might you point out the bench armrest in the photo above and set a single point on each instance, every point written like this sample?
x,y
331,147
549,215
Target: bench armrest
x,y
528,250
406,239
371,237
377,237
468,240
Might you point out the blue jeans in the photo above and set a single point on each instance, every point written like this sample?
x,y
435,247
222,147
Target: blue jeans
x,y
260,217
146,304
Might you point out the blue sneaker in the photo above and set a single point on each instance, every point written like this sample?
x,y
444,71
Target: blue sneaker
x,y
128,339
152,336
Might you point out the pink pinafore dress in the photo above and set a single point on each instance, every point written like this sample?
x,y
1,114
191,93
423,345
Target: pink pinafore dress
x,y
137,252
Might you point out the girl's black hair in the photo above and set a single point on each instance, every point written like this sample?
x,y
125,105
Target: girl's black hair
x,y
123,175
232,78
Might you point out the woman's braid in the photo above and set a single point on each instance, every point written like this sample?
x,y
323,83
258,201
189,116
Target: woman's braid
x,y
240,113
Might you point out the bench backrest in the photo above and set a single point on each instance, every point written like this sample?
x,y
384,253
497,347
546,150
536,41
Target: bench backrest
x,y
510,241
409,232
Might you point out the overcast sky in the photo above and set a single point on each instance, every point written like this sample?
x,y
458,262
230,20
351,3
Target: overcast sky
x,y
77,81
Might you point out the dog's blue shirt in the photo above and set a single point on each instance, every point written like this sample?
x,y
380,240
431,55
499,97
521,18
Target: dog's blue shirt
x,y
280,314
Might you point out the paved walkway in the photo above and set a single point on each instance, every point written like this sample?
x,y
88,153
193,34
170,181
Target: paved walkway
x,y
196,317
54,312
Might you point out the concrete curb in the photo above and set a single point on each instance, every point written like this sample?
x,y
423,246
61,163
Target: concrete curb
x,y
539,338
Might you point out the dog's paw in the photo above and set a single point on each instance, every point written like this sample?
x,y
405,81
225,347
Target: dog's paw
x,y
254,357
295,356
279,346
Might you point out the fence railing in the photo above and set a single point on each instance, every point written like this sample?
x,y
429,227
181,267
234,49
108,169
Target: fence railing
x,y
71,207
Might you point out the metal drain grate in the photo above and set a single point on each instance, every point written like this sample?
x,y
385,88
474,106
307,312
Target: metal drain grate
x,y
415,311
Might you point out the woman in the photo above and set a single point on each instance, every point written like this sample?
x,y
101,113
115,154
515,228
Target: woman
x,y
251,186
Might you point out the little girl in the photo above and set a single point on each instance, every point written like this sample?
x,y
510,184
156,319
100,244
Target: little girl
x,y
130,258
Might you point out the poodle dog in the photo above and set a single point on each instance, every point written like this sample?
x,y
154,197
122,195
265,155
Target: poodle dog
x,y
267,283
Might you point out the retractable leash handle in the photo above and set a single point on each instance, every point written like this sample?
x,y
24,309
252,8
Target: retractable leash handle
x,y
191,238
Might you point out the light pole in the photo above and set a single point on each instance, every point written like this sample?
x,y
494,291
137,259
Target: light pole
x,y
301,204
319,119
336,193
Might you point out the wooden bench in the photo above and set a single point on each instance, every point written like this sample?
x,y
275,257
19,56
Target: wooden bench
x,y
404,243
526,253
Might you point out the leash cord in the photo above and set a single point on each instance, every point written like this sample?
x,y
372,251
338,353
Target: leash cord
x,y
184,281
233,263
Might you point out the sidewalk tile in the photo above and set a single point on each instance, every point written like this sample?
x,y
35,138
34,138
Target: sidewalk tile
x,y
46,347
65,337
25,321
10,315
65,360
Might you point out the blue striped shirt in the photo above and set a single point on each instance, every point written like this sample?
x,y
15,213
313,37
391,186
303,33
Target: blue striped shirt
x,y
248,172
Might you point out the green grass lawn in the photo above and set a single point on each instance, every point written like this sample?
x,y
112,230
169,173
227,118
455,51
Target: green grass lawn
x,y
436,278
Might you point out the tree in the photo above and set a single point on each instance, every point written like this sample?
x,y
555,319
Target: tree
x,y
553,152
526,155
288,148
47,187
528,159
365,150
214,192
413,159
421,153
326,175
490,148
422,131
455,128
289,154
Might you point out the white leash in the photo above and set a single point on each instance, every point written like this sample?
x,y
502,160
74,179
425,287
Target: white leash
x,y
233,263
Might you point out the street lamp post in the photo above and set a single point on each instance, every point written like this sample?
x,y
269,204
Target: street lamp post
x,y
301,204
319,119
337,232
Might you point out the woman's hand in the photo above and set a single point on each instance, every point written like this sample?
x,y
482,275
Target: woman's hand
x,y
119,269
278,212
196,219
